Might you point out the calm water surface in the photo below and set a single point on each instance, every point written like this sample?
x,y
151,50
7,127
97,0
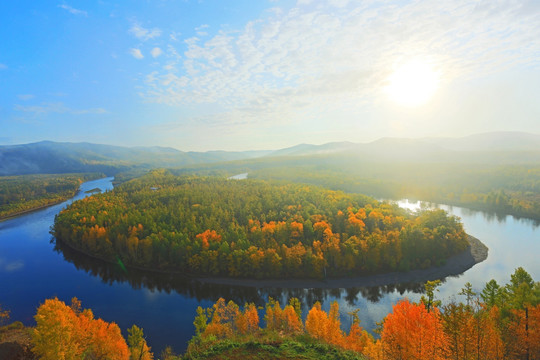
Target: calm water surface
x,y
32,269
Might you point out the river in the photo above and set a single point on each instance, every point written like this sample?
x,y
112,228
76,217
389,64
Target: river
x,y
32,268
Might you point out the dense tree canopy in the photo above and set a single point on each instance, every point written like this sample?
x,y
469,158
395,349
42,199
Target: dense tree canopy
x,y
254,228
26,192
510,186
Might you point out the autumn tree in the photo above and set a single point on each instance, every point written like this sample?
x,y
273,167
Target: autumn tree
x,y
429,300
487,342
4,316
334,334
201,321
357,339
272,316
286,320
168,354
138,347
523,296
247,321
456,319
524,330
223,320
325,326
64,332
208,237
411,332
316,321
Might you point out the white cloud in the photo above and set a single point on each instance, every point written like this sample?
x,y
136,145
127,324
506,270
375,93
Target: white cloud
x,y
200,30
339,3
156,52
25,96
136,53
58,108
14,266
144,34
73,10
6,266
174,36
311,60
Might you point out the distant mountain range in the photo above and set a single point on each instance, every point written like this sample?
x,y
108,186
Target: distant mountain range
x,y
493,141
55,157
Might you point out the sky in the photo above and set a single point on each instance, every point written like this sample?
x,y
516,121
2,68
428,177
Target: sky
x,y
249,75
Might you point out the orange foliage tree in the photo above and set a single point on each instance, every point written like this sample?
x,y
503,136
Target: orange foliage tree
x,y
207,237
64,332
524,330
411,332
286,320
325,326
226,320
247,322
223,320
357,339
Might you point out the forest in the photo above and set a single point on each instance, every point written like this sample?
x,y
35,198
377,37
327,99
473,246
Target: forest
x,y
254,228
19,194
496,322
493,175
495,184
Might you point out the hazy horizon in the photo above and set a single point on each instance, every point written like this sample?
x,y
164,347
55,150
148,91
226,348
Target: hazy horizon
x,y
286,147
208,75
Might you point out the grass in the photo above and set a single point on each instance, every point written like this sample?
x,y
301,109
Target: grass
x,y
268,347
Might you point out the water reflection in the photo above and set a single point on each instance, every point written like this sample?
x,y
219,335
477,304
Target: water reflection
x,y
10,266
111,274
489,216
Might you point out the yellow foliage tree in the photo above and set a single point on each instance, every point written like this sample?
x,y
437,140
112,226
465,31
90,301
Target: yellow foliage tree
x,y
64,333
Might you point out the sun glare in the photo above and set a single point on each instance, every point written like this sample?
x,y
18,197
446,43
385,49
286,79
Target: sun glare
x,y
412,84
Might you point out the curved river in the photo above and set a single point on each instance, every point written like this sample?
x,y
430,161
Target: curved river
x,y
32,268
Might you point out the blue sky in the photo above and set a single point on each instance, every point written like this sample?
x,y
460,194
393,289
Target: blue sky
x,y
238,75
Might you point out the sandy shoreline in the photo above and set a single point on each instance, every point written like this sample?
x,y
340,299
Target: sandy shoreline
x,y
457,264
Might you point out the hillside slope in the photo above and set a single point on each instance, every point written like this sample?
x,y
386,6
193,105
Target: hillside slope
x,y
49,157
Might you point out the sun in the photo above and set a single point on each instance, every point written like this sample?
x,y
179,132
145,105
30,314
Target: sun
x,y
413,83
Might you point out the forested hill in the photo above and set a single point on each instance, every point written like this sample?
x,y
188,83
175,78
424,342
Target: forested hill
x,y
254,228
49,157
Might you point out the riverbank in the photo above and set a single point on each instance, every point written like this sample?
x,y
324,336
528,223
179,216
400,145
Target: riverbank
x,y
24,194
455,265
36,208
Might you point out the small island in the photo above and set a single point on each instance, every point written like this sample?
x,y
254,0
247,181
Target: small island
x,y
93,191
214,227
